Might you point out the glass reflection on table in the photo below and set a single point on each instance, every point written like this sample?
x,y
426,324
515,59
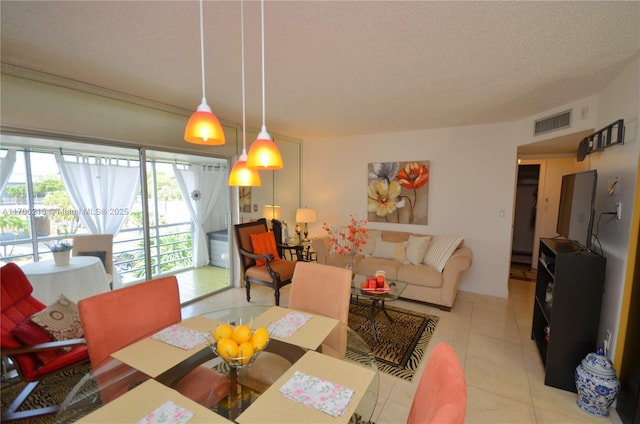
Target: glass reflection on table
x,y
115,378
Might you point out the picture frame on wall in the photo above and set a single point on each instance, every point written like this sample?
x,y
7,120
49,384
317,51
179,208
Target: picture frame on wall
x,y
244,200
398,192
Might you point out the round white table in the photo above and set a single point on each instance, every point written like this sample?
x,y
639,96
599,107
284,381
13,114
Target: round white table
x,y
83,277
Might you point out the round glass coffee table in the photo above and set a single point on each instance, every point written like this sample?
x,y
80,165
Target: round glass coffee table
x,y
377,299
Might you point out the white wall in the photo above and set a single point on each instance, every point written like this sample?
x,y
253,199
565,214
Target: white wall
x,y
472,177
473,172
51,107
621,99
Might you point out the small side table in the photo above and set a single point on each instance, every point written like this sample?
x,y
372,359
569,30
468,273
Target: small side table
x,y
300,252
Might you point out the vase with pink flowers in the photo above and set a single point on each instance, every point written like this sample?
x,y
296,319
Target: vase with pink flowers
x,y
348,240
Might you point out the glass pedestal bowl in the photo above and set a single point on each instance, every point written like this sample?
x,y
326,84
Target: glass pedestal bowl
x,y
237,361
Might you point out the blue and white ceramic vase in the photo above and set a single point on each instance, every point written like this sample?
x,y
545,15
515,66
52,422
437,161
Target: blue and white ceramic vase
x,y
597,384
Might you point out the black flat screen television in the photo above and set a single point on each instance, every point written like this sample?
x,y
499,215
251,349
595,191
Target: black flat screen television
x,y
577,206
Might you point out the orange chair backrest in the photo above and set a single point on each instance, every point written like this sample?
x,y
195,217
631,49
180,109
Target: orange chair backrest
x,y
441,396
243,239
322,290
115,319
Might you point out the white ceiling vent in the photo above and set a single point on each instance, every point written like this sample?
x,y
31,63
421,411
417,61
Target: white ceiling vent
x,y
552,123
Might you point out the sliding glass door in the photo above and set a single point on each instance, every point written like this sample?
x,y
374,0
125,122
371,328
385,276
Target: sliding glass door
x,y
55,189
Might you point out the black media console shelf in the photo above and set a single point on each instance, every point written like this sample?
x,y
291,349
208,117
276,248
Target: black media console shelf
x,y
566,310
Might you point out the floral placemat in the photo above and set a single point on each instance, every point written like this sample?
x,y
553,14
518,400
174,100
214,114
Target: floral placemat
x,y
166,413
317,393
288,324
179,336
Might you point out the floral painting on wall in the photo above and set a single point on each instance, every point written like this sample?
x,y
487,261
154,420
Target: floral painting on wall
x,y
398,192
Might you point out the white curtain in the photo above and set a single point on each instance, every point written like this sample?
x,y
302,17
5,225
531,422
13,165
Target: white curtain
x,y
102,190
201,188
6,167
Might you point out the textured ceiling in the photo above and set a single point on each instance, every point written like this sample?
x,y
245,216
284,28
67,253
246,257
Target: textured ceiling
x,y
335,68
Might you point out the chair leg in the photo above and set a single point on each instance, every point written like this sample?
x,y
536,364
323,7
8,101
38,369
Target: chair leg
x,y
277,295
11,414
247,286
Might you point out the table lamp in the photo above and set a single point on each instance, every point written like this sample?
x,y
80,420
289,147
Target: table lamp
x,y
306,215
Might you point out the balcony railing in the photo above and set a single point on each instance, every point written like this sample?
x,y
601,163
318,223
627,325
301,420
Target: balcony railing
x,y
170,246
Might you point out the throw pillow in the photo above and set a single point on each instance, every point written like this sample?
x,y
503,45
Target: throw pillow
x,y
416,249
440,250
61,320
374,236
399,251
264,243
30,334
388,250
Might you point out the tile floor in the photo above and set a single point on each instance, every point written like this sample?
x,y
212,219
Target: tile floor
x,y
492,338
199,282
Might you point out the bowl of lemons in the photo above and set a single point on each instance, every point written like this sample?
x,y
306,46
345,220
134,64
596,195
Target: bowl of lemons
x,y
238,345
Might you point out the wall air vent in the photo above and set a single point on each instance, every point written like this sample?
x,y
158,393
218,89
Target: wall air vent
x,y
552,123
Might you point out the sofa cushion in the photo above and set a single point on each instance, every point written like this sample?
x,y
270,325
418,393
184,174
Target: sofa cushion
x,y
341,261
420,275
389,250
395,236
369,265
374,235
416,249
440,250
284,268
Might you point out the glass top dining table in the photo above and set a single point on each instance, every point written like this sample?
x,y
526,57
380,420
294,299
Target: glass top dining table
x,y
253,394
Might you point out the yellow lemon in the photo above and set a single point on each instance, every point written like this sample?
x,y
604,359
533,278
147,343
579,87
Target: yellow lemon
x,y
260,338
245,350
241,334
227,348
223,331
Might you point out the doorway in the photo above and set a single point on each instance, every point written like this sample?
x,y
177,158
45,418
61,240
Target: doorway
x,y
524,222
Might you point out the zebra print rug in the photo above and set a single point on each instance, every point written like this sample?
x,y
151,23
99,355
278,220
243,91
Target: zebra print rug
x,y
401,343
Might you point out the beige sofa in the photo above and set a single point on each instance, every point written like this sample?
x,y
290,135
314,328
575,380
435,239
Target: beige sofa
x,y
401,256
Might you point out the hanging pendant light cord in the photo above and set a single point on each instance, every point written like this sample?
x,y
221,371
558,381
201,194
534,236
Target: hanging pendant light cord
x,y
244,118
202,52
264,121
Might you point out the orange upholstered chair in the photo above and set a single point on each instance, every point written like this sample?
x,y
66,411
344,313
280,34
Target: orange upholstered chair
x,y
120,317
324,290
267,269
441,396
32,350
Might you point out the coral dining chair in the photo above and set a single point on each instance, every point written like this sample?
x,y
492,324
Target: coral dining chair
x,y
318,289
115,319
32,351
324,290
441,396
